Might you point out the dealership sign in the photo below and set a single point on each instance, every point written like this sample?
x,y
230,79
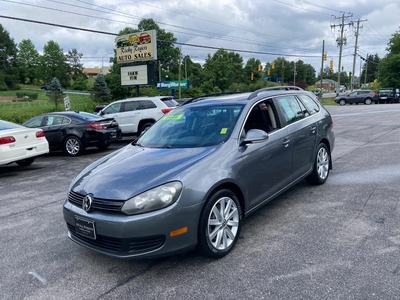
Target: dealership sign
x,y
138,46
137,75
174,84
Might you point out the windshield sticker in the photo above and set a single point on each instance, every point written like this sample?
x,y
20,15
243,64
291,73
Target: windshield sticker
x,y
178,117
223,131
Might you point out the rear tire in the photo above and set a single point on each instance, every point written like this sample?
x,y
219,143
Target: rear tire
x,y
73,146
220,224
368,101
320,171
25,162
103,146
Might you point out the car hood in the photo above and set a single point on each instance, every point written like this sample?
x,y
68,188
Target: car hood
x,y
134,169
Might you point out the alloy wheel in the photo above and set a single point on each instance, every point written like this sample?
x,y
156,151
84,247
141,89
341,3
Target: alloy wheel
x,y
323,163
223,223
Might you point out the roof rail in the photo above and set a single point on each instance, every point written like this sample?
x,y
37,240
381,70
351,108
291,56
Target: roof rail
x,y
199,98
275,88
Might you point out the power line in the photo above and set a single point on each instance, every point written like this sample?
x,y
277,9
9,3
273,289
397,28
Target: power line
x,y
162,41
209,34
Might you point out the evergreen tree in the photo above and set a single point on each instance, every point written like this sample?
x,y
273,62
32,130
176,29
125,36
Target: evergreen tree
x,y
100,92
55,92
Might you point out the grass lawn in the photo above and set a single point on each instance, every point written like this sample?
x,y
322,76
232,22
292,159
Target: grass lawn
x,y
20,111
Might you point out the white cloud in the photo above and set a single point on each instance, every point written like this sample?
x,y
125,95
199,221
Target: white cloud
x,y
294,29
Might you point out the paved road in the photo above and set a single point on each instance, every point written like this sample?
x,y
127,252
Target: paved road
x,y
336,241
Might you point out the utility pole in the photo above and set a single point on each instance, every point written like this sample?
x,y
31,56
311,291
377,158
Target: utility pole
x,y
366,67
294,74
341,41
322,64
355,54
179,73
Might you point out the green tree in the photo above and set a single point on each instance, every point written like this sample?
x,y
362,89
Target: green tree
x,y
370,68
55,92
53,64
73,59
100,92
221,70
389,67
27,61
8,63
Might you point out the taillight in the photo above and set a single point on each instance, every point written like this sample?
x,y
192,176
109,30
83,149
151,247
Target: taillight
x,y
39,134
96,126
7,140
167,110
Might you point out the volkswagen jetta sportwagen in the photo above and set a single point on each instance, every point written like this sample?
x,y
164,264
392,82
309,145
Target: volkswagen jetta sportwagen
x,y
192,178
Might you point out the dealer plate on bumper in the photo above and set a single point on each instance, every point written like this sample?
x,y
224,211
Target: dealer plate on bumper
x,y
85,228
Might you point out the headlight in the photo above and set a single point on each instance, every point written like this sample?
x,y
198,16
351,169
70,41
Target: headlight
x,y
156,198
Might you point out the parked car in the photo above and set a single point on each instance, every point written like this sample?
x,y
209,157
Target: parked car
x,y
20,144
359,96
44,87
73,132
136,115
98,108
190,179
389,95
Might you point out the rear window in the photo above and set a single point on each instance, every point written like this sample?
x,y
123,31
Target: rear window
x,y
310,104
170,103
4,125
87,116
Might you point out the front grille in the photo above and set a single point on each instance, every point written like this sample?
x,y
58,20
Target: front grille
x,y
128,246
101,241
97,204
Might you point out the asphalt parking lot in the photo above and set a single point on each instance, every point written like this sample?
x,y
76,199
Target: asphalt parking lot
x,y
340,240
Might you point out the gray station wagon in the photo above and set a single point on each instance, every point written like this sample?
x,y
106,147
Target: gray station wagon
x,y
192,178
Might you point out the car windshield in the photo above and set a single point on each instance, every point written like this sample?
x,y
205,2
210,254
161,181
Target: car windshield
x,y
190,127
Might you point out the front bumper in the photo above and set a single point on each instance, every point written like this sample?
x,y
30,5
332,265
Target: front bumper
x,y
140,236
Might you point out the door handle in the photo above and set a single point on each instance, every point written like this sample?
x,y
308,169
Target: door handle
x,y
313,128
286,142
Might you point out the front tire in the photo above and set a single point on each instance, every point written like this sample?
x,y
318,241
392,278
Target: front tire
x,y
342,102
73,146
220,224
320,171
145,127
25,162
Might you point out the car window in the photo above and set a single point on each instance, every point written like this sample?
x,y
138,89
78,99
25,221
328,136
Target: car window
x,y
190,127
131,105
113,108
290,108
310,103
353,94
146,104
33,123
170,103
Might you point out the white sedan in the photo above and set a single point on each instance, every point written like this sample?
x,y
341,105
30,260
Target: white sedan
x,y
21,144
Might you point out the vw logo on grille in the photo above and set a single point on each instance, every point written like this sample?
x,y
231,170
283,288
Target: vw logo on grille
x,y
87,202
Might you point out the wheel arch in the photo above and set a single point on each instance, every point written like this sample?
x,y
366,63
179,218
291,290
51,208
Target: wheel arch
x,y
230,186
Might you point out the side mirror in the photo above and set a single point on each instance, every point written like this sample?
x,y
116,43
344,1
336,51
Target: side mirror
x,y
254,136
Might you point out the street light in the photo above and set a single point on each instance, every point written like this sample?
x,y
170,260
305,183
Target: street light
x,y
102,65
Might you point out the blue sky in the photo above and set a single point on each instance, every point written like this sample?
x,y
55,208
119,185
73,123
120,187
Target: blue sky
x,y
294,29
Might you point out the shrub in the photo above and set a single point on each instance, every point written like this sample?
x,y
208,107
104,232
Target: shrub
x,y
31,95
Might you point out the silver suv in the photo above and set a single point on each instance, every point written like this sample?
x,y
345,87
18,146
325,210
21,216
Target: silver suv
x,y
136,115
